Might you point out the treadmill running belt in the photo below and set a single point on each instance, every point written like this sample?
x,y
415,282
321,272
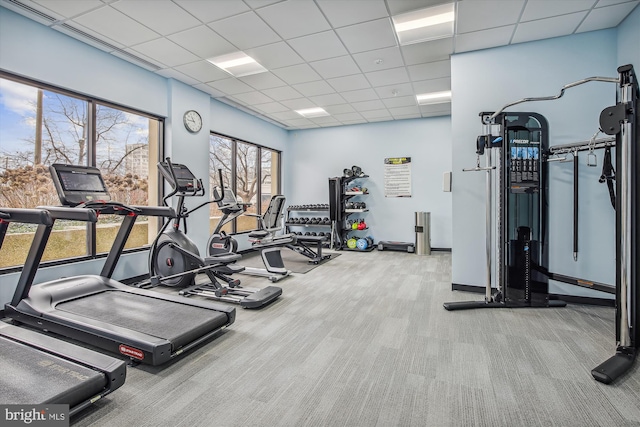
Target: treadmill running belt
x,y
31,376
178,323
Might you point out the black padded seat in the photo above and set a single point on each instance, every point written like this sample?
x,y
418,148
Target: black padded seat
x,y
222,259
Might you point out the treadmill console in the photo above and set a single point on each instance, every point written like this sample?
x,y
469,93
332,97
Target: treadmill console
x,y
186,181
78,184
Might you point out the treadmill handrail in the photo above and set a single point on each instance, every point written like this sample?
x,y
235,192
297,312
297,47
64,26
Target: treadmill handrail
x,y
64,212
29,216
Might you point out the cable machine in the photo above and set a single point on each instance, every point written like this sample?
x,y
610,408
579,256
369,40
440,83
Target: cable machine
x,y
521,223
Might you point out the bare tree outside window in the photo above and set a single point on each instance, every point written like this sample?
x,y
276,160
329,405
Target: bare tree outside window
x,y
42,127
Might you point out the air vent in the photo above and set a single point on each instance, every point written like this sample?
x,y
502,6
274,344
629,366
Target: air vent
x,y
111,47
31,10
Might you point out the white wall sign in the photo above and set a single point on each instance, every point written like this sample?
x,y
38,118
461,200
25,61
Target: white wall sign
x,y
397,177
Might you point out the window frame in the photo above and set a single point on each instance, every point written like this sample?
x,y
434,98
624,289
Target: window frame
x,y
92,103
234,177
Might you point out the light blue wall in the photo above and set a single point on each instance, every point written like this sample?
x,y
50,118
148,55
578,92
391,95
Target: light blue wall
x,y
34,51
629,40
322,153
485,81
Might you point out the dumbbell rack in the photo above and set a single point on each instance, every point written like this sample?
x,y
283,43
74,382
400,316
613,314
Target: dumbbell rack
x,y
296,210
343,214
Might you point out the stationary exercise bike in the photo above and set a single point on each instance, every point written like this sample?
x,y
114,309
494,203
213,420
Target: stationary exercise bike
x,y
174,259
221,244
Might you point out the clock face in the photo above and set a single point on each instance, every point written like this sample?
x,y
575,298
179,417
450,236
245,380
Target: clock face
x,y
192,121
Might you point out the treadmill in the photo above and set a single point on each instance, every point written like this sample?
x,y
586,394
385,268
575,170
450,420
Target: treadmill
x,y
146,326
38,369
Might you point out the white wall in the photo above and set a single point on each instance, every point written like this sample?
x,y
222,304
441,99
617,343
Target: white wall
x,y
629,40
34,51
318,154
485,81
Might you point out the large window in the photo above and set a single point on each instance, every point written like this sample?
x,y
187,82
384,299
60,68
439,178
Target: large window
x,y
250,171
43,125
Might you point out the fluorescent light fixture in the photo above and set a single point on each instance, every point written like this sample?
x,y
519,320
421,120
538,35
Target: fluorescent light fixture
x,y
312,112
433,97
238,64
425,24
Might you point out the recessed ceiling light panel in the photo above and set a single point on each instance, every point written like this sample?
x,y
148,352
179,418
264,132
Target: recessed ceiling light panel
x,y
238,64
425,24
433,98
312,112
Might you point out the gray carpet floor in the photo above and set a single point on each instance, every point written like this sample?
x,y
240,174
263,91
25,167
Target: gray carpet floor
x,y
363,340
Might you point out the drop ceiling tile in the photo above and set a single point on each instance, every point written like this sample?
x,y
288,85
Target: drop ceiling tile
x,y
400,101
353,122
208,11
252,98
547,28
162,16
231,86
271,107
257,4
202,71
117,26
346,12
299,122
368,105
325,120
262,81
208,89
298,104
348,116
405,111
376,114
606,17
202,41
324,100
401,6
431,70
379,59
435,50
604,3
314,88
368,36
68,9
445,106
395,90
165,51
388,77
170,73
433,85
285,115
360,95
342,84
293,19
480,15
275,55
484,39
318,46
301,73
340,109
235,30
282,93
336,67
380,119
540,9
